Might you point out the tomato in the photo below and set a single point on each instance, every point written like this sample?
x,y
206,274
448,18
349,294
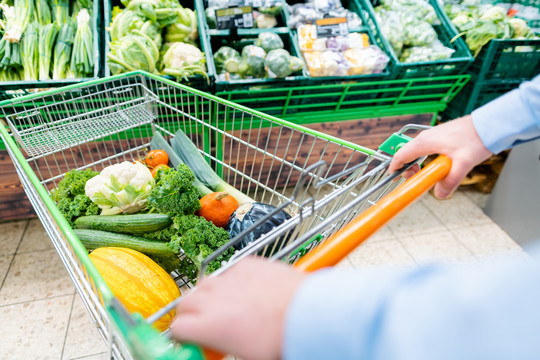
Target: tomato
x,y
156,157
157,168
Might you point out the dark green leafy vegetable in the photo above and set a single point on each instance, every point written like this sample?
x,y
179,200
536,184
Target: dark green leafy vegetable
x,y
70,197
174,193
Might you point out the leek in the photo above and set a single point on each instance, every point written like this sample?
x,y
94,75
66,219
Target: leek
x,y
63,50
60,11
47,37
43,12
82,62
17,18
29,51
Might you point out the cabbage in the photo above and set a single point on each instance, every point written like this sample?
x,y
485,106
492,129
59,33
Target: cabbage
x,y
252,63
160,12
269,41
279,63
227,59
128,20
185,29
135,51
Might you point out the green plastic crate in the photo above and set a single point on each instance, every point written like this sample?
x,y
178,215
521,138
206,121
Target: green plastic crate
x,y
13,89
352,100
475,94
515,60
457,64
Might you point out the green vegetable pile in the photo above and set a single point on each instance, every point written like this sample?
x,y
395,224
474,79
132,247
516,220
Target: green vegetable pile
x,y
70,195
408,26
265,58
157,36
480,23
44,39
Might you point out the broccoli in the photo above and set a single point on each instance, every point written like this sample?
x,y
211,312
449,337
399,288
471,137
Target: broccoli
x,y
174,193
195,237
70,197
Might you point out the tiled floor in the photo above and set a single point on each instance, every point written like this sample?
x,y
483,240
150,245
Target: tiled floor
x,y
42,317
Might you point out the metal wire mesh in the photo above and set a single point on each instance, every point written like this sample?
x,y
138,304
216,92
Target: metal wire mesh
x,y
275,162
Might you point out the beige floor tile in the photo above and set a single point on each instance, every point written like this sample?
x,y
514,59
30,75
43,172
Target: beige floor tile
x,y
34,330
82,338
486,240
383,253
35,275
436,247
345,264
382,235
35,238
415,219
10,236
456,212
5,260
476,196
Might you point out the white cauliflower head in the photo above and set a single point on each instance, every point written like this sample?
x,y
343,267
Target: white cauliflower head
x,y
121,188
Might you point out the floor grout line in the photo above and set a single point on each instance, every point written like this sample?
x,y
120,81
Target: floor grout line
x,y
35,300
67,326
13,255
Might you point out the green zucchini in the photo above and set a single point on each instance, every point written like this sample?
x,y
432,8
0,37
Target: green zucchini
x,y
159,142
190,155
159,251
126,224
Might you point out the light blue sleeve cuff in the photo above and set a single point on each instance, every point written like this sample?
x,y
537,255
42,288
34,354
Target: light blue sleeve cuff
x,y
510,119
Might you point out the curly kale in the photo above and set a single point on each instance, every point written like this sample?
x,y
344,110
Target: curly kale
x,y
196,238
174,193
70,197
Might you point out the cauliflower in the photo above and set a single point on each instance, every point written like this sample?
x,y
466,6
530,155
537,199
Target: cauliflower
x,y
121,188
183,60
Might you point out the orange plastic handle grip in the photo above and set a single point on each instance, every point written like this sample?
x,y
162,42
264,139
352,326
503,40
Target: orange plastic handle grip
x,y
343,242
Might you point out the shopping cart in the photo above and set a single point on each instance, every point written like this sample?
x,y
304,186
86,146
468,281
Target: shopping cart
x,y
321,181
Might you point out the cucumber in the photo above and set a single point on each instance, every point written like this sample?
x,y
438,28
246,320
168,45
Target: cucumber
x,y
159,251
126,224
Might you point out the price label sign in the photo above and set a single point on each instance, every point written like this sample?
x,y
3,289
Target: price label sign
x,y
234,18
331,27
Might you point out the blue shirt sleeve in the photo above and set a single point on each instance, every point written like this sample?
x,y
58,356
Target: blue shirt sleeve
x,y
473,311
510,119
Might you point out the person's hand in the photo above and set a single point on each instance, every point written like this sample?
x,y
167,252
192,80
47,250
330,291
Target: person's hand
x,y
241,311
456,139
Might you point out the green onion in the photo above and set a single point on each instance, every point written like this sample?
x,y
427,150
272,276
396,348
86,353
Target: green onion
x,y
63,50
47,37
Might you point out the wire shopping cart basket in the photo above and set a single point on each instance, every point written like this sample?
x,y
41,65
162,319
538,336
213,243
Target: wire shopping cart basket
x,y
321,181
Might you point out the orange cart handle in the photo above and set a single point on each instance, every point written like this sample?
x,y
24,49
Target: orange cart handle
x,y
343,242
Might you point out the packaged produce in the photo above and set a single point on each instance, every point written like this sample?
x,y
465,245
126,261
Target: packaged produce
x,y
356,61
408,26
309,12
308,40
265,58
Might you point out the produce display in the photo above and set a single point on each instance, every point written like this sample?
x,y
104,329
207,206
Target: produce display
x,y
408,26
265,12
480,23
264,57
137,282
177,218
155,36
46,39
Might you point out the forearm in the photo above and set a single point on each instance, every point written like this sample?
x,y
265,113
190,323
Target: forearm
x,y
510,119
465,312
